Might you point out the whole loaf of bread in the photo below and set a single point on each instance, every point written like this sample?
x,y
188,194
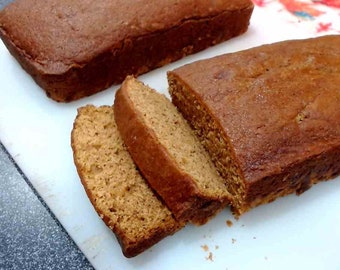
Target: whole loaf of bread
x,y
76,48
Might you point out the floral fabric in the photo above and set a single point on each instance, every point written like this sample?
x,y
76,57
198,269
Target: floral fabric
x,y
320,17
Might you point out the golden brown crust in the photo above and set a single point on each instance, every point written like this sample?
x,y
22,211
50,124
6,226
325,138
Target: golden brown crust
x,y
166,177
76,49
275,109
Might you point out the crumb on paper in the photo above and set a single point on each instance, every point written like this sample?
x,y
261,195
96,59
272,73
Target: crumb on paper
x,y
210,254
207,236
205,248
266,258
95,256
217,247
243,225
254,237
229,223
210,257
233,240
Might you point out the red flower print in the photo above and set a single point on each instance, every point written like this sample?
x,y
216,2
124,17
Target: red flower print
x,y
323,27
301,9
331,3
260,3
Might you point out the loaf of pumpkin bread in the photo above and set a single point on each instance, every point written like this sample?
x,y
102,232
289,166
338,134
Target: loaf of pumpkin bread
x,y
269,116
117,191
76,48
168,153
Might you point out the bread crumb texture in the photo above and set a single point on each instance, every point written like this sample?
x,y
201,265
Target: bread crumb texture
x,y
229,223
174,133
116,189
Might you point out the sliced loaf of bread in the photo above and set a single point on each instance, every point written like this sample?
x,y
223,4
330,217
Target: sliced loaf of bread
x,y
269,116
168,153
116,189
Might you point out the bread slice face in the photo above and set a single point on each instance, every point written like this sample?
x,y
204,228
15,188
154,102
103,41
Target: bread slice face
x,y
168,153
118,192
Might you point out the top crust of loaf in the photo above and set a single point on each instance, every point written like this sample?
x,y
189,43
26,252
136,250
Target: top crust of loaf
x,y
277,104
71,33
118,192
168,153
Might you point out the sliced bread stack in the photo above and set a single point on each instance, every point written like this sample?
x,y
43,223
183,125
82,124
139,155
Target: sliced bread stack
x,y
114,185
168,153
181,183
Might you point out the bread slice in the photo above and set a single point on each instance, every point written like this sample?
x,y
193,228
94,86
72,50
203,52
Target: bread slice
x,y
269,116
168,154
114,186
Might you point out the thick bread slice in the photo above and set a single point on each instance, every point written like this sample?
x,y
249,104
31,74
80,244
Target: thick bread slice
x,y
168,154
269,116
117,191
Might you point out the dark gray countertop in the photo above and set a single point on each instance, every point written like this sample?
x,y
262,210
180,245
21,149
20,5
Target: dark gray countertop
x,y
30,236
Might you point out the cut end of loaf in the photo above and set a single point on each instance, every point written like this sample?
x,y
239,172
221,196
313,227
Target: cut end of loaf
x,y
209,133
116,189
